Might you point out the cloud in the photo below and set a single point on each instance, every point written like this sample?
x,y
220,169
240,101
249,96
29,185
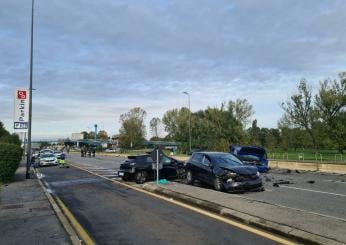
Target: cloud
x,y
94,60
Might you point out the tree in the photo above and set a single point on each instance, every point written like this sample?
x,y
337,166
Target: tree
x,y
154,126
132,131
331,102
255,134
241,111
300,111
6,137
176,125
102,135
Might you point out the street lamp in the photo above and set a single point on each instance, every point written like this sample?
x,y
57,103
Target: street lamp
x,y
188,96
28,157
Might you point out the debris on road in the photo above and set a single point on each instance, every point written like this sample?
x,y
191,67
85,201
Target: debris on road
x,y
297,171
311,181
288,171
282,182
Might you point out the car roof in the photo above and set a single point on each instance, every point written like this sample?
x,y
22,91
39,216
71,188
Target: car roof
x,y
212,152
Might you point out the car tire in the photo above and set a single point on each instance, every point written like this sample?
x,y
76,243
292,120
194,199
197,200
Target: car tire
x,y
218,186
141,177
125,177
189,177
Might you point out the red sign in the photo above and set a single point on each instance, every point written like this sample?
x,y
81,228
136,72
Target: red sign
x,y
21,94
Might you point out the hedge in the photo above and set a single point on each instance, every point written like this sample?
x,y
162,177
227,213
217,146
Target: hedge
x,y
10,157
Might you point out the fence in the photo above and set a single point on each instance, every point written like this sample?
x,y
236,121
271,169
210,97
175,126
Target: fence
x,y
308,157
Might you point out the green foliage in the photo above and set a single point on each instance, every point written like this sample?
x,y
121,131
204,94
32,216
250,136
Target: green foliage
x,y
132,131
300,111
10,156
211,129
154,126
44,144
102,135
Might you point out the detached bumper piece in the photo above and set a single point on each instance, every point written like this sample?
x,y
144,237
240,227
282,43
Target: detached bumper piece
x,y
248,185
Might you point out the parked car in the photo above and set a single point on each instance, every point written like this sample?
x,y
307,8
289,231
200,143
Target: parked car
x,y
252,155
59,155
47,159
140,168
224,171
113,150
44,151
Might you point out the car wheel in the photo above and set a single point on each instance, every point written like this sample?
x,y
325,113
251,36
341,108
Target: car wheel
x,y
189,177
125,177
141,177
218,186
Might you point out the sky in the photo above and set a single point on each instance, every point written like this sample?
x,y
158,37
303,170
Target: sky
x,y
94,60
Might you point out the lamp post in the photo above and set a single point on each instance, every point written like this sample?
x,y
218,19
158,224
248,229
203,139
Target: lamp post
x,y
188,96
28,157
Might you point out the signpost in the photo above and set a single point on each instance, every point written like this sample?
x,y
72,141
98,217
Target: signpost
x,y
21,110
157,155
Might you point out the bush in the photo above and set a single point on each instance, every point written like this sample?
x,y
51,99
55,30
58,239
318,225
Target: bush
x,y
10,157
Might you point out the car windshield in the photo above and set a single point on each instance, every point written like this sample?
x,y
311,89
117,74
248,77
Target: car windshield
x,y
226,159
48,155
250,157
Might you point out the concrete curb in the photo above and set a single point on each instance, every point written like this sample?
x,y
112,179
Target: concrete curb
x,y
280,229
75,240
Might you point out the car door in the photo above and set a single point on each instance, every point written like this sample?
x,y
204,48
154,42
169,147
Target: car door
x,y
168,169
195,165
206,170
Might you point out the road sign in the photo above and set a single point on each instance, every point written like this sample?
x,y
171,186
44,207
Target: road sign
x,y
21,110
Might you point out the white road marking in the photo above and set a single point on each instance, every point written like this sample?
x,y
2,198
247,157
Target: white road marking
x,y
335,181
322,192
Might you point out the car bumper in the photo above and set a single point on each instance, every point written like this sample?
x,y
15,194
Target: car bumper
x,y
123,172
248,185
48,163
262,169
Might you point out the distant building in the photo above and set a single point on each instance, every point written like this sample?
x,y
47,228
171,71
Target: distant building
x,y
77,136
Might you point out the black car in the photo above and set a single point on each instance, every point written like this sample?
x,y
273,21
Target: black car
x,y
140,168
224,171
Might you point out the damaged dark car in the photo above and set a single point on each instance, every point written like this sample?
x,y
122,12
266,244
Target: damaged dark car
x,y
140,168
224,171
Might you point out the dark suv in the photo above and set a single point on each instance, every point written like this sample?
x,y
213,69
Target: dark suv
x,y
140,168
224,171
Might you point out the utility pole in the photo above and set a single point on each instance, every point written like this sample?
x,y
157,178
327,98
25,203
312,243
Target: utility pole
x,y
28,157
188,95
95,131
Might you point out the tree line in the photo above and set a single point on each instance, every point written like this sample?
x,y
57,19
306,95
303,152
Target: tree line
x,y
316,121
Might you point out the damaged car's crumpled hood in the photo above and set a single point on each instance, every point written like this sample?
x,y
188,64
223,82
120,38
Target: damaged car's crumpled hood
x,y
243,170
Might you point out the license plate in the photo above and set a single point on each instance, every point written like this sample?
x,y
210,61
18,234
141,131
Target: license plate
x,y
120,173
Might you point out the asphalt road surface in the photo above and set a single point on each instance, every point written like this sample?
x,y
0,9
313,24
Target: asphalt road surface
x,y
113,214
321,193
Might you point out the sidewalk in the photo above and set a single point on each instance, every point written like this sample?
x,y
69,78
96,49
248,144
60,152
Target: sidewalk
x,y
26,216
304,226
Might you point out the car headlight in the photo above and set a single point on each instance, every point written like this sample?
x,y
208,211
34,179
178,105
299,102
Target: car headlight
x,y
231,174
132,164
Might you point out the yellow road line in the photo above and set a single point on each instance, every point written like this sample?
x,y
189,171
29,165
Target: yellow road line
x,y
79,229
61,216
198,210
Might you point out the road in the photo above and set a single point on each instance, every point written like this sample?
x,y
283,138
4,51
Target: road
x,y
113,214
321,193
